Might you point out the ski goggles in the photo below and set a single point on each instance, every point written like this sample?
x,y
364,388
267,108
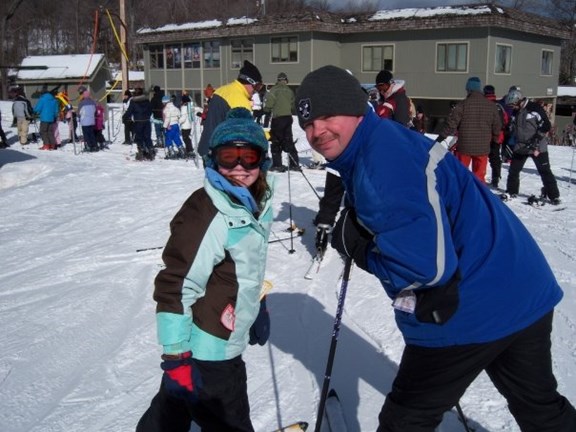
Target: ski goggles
x,y
236,153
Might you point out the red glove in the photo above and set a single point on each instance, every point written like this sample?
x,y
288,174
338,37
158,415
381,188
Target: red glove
x,y
181,378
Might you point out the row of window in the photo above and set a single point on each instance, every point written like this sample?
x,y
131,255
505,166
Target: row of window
x,y
450,57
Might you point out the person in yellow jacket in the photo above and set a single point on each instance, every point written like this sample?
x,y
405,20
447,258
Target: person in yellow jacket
x,y
236,94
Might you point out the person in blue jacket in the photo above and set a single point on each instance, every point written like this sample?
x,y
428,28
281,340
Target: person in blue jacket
x,y
209,305
47,109
470,288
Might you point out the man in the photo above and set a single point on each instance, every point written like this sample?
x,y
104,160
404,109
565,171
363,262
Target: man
x,y
22,112
279,102
47,109
477,122
471,289
395,104
494,157
238,93
529,126
139,112
157,120
87,117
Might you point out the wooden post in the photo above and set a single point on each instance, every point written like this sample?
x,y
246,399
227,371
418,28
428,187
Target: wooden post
x,y
123,41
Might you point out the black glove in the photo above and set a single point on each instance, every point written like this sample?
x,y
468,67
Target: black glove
x,y
350,238
322,233
440,138
260,330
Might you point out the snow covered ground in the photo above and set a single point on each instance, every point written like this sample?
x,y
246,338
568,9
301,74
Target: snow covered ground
x,y
79,349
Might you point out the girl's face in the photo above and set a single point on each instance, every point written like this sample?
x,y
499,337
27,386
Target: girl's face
x,y
240,175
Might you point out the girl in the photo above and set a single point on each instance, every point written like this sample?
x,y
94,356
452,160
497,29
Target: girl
x,y
208,296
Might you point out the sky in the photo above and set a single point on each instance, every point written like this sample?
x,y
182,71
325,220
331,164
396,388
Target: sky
x,y
79,350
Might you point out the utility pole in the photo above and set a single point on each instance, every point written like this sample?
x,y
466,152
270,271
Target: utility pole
x,y
123,41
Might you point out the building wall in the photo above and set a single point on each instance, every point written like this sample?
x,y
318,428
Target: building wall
x,y
414,61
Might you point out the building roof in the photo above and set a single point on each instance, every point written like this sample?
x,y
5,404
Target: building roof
x,y
59,67
442,17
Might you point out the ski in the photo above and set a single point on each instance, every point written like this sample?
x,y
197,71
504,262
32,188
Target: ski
x,y
539,202
334,420
294,427
314,266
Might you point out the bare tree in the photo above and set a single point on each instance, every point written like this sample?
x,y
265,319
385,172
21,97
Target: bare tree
x,y
7,15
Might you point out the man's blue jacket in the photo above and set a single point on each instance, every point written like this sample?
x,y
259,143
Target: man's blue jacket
x,y
430,218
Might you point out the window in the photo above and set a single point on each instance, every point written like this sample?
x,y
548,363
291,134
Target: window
x,y
242,49
173,56
376,58
211,54
503,59
452,57
157,57
284,49
546,65
191,53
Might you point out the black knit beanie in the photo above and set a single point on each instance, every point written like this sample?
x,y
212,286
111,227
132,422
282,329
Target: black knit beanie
x,y
384,77
329,91
249,73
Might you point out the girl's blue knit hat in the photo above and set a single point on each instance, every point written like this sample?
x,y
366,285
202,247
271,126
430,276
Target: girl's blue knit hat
x,y
238,126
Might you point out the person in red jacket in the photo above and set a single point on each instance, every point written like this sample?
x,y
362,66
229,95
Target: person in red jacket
x,y
394,104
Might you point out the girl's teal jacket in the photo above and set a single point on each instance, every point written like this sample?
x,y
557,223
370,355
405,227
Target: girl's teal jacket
x,y
208,294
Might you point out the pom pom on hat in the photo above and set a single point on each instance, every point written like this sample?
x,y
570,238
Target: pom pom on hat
x,y
250,73
238,126
329,91
474,84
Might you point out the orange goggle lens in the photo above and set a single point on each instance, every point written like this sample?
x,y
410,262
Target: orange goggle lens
x,y
247,156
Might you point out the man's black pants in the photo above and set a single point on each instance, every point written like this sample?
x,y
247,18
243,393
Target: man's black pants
x,y
431,381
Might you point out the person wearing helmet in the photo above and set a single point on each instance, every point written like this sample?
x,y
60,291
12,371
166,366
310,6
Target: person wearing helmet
x,y
279,102
209,305
528,128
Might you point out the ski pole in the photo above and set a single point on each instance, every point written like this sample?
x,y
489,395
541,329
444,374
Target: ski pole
x,y
305,178
462,418
571,165
291,251
333,343
150,248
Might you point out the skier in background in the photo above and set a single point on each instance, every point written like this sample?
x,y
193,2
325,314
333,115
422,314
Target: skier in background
x,y
22,112
140,112
236,94
187,121
157,108
208,296
528,128
171,126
